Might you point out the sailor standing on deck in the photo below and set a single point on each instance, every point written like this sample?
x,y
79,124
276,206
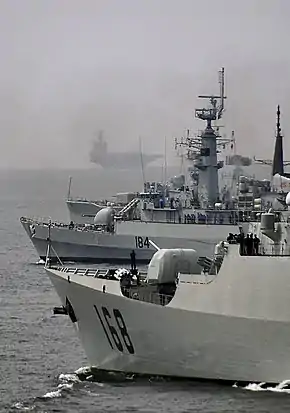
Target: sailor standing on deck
x,y
256,243
219,253
220,249
241,240
133,260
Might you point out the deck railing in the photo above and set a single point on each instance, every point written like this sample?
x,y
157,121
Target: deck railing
x,y
36,220
275,250
103,273
136,292
45,222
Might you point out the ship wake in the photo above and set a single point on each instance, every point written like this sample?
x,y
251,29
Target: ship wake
x,y
84,378
283,387
66,386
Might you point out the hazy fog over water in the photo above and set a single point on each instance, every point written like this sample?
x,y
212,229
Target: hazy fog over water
x,y
135,67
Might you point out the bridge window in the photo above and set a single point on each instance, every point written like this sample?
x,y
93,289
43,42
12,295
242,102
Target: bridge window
x,y
205,152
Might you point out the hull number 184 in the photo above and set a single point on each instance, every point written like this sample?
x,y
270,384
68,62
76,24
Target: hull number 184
x,y
142,242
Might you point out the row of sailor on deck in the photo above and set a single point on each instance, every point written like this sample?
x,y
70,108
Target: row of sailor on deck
x,y
249,244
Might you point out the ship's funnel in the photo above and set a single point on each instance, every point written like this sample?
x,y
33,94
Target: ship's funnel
x,y
278,166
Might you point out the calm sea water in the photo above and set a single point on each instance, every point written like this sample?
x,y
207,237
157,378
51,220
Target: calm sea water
x,y
39,353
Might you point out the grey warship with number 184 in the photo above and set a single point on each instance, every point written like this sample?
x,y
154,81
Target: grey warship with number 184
x,y
195,214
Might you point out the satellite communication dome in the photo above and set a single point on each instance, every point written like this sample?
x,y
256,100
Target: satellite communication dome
x,y
105,216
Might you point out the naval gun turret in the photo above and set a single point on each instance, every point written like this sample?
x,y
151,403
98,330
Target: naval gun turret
x,y
105,218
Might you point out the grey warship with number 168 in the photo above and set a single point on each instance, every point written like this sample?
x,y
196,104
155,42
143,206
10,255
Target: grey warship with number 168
x,y
224,319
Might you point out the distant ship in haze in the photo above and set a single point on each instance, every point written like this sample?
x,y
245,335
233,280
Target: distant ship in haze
x,y
118,160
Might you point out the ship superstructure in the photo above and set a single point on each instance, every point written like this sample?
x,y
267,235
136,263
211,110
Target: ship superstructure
x,y
162,212
277,163
185,213
202,150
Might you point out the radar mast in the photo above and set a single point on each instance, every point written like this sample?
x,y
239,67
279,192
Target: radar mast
x,y
202,149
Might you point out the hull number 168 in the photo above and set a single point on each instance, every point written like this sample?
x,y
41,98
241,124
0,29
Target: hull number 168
x,y
117,335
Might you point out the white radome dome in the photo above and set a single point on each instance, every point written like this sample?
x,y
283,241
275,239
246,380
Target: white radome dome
x,y
105,216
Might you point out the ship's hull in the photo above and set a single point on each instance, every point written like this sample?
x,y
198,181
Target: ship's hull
x,y
66,251
95,247
127,335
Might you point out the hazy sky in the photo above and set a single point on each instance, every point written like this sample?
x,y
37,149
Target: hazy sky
x,y
135,67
